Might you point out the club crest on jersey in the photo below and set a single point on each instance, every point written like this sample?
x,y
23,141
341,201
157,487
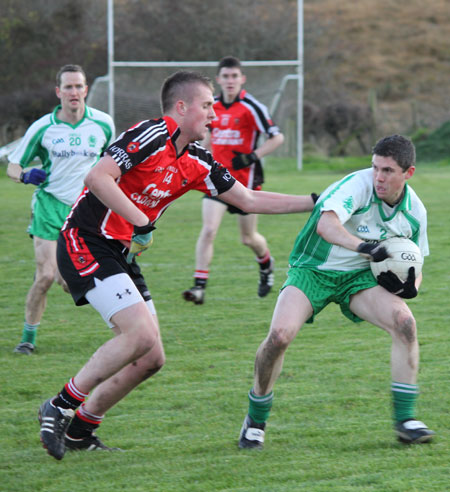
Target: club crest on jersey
x,y
133,147
348,204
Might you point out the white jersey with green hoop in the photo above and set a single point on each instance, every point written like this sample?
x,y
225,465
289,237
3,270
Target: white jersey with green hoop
x,y
364,215
66,151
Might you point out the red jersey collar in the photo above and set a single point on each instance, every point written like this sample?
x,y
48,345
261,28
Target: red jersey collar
x,y
238,98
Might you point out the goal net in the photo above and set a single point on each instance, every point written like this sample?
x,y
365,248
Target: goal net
x,y
136,93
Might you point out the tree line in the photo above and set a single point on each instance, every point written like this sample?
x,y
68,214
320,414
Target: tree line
x,y
38,37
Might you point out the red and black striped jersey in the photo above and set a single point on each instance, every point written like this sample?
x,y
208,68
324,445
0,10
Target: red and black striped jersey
x,y
153,176
237,127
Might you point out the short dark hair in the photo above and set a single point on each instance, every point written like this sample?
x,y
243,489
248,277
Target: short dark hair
x,y
229,62
68,68
400,148
174,88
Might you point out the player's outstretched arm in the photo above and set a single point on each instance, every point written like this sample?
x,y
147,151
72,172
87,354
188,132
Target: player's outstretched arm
x,y
266,202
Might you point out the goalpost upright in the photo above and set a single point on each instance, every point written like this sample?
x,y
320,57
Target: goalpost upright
x,y
298,64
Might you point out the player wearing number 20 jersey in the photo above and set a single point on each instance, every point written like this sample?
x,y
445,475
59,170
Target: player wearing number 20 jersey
x,y
67,152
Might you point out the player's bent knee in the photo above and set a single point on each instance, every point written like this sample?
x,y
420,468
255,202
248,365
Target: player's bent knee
x,y
279,338
44,281
247,241
159,356
154,368
151,363
405,327
144,339
209,234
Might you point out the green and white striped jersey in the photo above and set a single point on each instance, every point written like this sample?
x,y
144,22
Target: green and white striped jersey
x,y
66,151
364,215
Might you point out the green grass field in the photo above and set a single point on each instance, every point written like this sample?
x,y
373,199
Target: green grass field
x,y
330,427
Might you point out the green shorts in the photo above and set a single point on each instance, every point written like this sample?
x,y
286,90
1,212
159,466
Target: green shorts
x,y
324,286
48,216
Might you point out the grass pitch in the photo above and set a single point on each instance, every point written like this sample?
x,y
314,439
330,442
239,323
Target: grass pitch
x,y
330,427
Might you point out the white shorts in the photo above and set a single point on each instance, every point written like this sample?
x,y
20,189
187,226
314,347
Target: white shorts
x,y
111,295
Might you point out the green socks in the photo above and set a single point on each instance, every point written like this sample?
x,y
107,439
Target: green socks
x,y
404,398
259,406
29,333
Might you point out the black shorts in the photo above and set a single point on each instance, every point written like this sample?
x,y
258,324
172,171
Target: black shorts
x,y
230,208
82,257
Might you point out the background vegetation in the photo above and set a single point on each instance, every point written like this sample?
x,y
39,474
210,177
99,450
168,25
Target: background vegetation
x,y
330,428
371,68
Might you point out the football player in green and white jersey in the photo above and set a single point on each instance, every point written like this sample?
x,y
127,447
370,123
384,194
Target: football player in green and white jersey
x,y
68,142
330,263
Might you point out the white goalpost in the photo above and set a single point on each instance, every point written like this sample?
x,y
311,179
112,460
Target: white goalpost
x,y
271,80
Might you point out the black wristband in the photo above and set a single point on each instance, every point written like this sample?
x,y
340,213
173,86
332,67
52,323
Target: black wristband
x,y
314,197
138,230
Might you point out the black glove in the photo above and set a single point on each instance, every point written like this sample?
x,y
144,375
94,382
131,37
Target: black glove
x,y
141,240
240,160
374,251
34,176
390,281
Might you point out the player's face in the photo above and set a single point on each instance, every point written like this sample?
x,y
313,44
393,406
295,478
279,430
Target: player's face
x,y
389,178
199,113
73,91
231,81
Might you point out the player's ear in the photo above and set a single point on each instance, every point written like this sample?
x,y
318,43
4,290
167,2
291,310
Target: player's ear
x,y
243,79
58,92
180,107
409,172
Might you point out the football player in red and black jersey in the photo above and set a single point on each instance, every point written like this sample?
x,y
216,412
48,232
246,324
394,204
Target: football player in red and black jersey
x,y
142,172
233,139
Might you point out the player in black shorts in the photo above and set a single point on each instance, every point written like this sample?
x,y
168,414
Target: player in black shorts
x,y
146,169
234,141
